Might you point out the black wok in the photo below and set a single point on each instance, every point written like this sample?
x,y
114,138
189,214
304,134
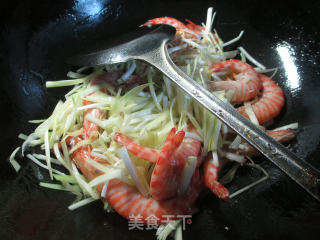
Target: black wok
x,y
38,36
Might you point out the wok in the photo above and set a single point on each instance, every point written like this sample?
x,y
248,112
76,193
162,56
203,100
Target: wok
x,y
38,36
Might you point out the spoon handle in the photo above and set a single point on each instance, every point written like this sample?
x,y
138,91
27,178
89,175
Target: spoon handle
x,y
300,171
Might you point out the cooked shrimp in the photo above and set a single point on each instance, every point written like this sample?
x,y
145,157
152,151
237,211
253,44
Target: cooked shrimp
x,y
191,30
282,136
79,157
238,77
189,147
269,104
129,203
161,187
211,179
166,20
142,152
90,129
174,166
170,21
177,162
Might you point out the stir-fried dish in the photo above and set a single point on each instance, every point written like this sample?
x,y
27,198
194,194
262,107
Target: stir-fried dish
x,y
129,136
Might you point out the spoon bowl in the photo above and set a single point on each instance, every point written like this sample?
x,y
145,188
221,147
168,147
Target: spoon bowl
x,y
136,45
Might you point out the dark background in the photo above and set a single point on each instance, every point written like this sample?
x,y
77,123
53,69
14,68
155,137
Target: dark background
x,y
36,38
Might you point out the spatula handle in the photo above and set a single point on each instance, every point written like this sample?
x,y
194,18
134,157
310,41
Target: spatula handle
x,y
300,171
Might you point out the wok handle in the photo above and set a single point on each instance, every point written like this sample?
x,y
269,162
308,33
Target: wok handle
x,y
300,171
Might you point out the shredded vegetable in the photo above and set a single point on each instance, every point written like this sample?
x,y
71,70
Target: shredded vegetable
x,y
142,104
164,230
81,203
12,160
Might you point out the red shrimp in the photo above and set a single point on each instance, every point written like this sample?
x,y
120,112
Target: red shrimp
x,y
142,152
130,204
190,147
211,179
79,157
238,77
190,27
166,165
90,129
166,20
282,136
127,200
269,104
161,182
171,168
169,21
189,31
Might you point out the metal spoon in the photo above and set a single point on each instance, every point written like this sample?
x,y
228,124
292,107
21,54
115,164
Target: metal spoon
x,y
152,49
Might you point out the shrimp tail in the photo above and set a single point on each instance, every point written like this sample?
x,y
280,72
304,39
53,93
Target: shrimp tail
x,y
211,182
